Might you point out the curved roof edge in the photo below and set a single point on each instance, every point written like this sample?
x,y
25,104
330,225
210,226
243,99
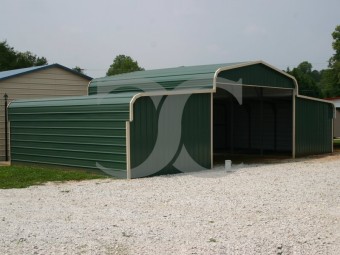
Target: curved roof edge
x,y
4,75
244,64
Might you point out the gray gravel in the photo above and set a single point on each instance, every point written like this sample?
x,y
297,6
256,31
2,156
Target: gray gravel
x,y
289,208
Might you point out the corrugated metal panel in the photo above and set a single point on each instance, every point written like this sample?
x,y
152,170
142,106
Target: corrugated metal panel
x,y
195,135
196,126
313,127
143,130
193,77
77,131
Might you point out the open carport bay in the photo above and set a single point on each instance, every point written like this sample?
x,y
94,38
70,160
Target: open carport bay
x,y
260,124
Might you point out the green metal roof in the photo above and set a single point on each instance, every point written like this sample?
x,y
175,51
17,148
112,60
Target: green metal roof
x,y
193,78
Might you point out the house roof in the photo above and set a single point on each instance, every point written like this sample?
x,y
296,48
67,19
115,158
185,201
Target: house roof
x,y
17,72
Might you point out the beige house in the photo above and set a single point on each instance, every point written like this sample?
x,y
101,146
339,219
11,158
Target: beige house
x,y
37,82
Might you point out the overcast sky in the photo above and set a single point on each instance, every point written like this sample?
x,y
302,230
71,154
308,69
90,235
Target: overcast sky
x,y
159,34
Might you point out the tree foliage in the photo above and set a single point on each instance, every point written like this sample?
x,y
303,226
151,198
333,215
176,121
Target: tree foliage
x,y
11,59
307,79
324,83
335,59
331,78
123,64
78,69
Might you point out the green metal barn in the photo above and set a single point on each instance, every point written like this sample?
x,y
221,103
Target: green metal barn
x,y
172,120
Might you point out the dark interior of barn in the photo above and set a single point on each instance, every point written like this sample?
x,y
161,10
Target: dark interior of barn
x,y
257,123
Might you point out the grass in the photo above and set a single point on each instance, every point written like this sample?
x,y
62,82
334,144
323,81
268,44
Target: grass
x,y
25,176
336,143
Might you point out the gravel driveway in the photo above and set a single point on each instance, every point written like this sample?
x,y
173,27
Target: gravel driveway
x,y
287,208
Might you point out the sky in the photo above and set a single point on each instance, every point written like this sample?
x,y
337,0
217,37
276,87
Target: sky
x,y
164,33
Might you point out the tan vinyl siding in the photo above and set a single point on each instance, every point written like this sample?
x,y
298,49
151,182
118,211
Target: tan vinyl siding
x,y
50,82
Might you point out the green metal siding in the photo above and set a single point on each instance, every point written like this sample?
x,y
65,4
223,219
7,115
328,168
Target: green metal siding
x,y
195,134
75,132
259,75
313,127
196,128
143,130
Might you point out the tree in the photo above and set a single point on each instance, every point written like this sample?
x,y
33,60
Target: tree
x,y
11,59
329,83
307,79
123,64
7,57
27,59
305,67
331,77
335,59
78,69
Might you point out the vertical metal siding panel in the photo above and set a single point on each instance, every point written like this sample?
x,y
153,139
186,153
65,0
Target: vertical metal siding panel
x,y
196,129
195,132
313,127
70,136
143,130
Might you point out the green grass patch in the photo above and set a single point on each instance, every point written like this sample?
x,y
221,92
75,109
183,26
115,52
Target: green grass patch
x,y
336,144
25,176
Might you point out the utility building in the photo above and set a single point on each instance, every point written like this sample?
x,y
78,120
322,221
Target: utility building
x,y
172,120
